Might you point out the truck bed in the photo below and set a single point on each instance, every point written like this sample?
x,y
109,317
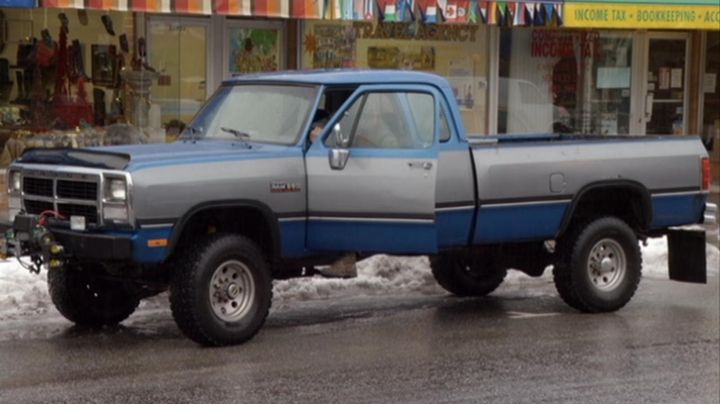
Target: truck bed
x,y
526,183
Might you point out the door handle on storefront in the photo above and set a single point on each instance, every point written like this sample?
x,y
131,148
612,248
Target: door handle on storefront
x,y
649,99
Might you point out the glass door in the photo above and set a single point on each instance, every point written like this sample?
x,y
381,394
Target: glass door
x,y
665,100
178,49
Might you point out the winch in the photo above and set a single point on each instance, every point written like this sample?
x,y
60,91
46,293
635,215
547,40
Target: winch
x,y
30,237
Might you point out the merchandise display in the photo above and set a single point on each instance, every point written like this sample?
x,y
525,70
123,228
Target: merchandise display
x,y
67,86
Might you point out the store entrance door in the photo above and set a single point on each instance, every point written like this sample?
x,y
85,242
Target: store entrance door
x,y
179,51
665,90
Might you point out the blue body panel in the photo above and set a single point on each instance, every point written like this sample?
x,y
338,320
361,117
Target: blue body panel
x,y
194,152
141,253
518,223
453,227
676,210
387,237
292,238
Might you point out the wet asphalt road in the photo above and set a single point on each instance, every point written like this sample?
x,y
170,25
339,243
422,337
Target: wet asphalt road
x,y
515,347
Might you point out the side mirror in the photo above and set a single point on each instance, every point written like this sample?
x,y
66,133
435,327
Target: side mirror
x,y
339,153
338,158
341,140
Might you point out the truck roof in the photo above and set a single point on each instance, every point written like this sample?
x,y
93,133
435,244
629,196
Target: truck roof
x,y
344,76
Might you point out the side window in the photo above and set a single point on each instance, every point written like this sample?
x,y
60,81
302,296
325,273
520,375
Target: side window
x,y
444,126
422,107
390,120
348,121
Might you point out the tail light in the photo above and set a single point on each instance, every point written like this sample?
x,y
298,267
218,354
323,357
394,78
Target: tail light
x,y
706,176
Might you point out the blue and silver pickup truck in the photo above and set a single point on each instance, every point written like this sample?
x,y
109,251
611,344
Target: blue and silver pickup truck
x,y
284,171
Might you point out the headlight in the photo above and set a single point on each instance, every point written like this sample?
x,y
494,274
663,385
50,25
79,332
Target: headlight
x,y
116,190
15,181
115,213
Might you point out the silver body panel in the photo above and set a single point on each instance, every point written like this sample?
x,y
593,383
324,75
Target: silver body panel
x,y
521,171
171,191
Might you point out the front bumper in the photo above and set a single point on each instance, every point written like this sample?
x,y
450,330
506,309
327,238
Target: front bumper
x,y
89,246
141,246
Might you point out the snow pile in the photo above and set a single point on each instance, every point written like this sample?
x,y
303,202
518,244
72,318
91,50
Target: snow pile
x,y
21,293
655,258
24,294
377,275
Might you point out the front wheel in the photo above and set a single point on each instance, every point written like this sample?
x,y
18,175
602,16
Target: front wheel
x,y
221,291
82,296
599,266
461,277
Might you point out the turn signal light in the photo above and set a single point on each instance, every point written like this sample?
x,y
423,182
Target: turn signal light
x,y
706,176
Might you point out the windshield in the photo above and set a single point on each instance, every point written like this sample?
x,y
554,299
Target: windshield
x,y
259,113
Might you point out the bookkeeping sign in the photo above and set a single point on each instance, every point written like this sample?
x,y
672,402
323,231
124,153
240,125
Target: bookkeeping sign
x,y
641,16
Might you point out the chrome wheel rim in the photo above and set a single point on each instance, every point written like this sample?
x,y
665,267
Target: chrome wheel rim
x,y
232,291
607,264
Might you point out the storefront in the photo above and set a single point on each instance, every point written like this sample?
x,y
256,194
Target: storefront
x,y
79,73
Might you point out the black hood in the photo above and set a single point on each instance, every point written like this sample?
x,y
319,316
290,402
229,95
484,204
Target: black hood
x,y
76,157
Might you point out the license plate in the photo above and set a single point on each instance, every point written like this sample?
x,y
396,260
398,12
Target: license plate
x,y
77,223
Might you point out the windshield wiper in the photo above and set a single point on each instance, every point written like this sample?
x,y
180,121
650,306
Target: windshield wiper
x,y
238,134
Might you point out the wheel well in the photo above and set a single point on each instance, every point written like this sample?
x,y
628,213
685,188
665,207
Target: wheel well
x,y
628,202
248,221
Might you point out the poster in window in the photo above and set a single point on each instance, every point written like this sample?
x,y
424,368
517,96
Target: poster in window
x,y
461,77
410,58
253,50
331,46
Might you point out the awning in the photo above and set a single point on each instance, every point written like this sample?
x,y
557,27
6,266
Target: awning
x,y
643,14
503,13
18,3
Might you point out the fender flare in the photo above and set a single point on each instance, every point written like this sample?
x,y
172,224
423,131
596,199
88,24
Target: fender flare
x,y
636,187
269,216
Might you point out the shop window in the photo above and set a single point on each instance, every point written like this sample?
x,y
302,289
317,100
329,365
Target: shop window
x,y
565,81
74,78
711,108
457,52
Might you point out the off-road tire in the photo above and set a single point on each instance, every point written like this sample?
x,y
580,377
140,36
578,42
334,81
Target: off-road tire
x,y
461,279
87,299
572,272
190,298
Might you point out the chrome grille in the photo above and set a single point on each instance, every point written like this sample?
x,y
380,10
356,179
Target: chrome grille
x,y
38,186
77,190
70,209
66,193
37,207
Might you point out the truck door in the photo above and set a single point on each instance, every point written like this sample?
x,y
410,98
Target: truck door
x,y
372,173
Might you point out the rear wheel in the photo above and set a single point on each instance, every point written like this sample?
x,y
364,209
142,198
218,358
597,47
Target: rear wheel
x,y
461,277
599,267
221,291
85,298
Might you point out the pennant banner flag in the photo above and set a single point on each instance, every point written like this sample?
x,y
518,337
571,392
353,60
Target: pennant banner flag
x,y
307,9
502,13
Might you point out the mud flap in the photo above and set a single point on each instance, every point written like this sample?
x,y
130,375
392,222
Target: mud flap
x,y
686,256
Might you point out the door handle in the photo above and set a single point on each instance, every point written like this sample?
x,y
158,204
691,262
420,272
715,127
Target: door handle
x,y
425,165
